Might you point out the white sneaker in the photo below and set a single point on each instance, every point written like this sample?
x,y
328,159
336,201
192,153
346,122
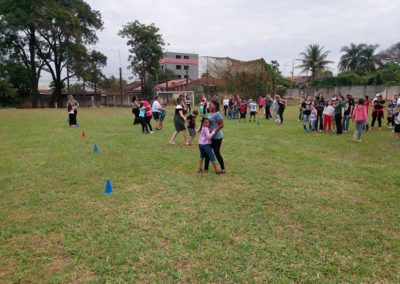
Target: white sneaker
x,y
151,132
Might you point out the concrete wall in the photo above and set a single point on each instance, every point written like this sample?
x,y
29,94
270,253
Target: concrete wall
x,y
356,91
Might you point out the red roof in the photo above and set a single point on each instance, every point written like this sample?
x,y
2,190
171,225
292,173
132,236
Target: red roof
x,y
174,83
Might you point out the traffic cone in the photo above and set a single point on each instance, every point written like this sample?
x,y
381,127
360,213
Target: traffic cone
x,y
108,189
77,125
83,134
95,149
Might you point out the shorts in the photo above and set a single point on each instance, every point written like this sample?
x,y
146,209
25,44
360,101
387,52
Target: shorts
x,y
253,113
397,128
156,115
192,132
242,114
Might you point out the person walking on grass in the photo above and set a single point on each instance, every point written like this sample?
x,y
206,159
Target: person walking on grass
x,y
217,123
360,117
306,109
281,107
206,151
71,116
339,112
135,110
191,119
148,115
377,112
252,109
396,119
328,113
225,103
142,119
72,107
179,123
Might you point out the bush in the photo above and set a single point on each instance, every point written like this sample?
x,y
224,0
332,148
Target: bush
x,y
7,94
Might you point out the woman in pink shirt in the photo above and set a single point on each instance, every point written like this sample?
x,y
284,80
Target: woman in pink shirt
x,y
360,117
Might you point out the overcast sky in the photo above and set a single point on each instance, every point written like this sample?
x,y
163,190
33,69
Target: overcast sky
x,y
252,29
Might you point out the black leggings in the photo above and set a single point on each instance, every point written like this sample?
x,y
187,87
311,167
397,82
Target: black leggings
x,y
321,121
216,146
268,112
377,115
148,119
280,112
143,122
72,119
338,122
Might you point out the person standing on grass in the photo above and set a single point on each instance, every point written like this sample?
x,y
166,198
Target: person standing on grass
x,y
281,107
275,107
75,105
188,103
142,118
396,120
339,112
179,123
313,118
306,109
360,117
135,110
243,111
206,151
319,106
191,119
301,99
366,103
156,110
148,115
261,102
268,103
71,115
377,112
348,109
217,123
328,113
253,110
225,102
162,115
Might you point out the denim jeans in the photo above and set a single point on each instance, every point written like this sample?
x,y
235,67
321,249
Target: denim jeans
x,y
306,119
313,124
206,151
345,122
360,124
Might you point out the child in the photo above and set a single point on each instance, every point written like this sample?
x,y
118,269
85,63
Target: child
x,y
205,145
162,115
396,119
306,107
191,119
275,107
313,118
243,111
142,118
328,115
360,117
253,110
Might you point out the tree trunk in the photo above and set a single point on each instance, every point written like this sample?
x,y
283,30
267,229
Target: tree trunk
x,y
33,72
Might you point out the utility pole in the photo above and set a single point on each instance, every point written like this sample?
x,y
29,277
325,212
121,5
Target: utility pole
x,y
120,83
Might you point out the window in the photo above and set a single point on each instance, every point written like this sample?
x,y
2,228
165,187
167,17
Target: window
x,y
178,67
186,67
186,76
178,57
186,57
179,76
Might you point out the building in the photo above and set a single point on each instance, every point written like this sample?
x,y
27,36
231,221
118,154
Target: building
x,y
184,65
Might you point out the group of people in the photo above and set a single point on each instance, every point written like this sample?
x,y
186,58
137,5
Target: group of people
x,y
237,108
144,112
320,115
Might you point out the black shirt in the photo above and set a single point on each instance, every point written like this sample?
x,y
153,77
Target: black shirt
x,y
307,107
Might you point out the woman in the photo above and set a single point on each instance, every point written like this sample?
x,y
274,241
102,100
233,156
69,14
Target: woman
x,y
179,123
72,107
282,105
306,110
217,123
225,102
377,112
319,106
339,113
135,110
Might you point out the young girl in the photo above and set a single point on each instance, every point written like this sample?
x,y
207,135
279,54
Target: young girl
x,y
205,145
253,110
306,107
360,117
275,107
328,115
243,111
313,118
142,118
396,119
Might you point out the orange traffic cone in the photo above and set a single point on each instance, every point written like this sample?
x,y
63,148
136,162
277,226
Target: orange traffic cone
x,y
83,134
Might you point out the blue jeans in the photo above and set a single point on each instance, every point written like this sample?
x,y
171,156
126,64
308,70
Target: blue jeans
x,y
345,122
306,118
313,124
360,125
206,151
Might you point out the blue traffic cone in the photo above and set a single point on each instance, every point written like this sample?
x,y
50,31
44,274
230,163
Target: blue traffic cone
x,y
95,149
108,189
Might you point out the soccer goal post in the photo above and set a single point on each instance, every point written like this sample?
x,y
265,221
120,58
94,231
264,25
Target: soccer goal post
x,y
170,97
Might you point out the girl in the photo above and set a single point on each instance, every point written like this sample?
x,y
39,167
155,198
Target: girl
x,y
360,116
348,110
179,123
253,110
275,107
243,111
313,118
205,145
281,108
339,112
268,102
142,118
148,115
328,114
377,112
319,106
306,108
71,116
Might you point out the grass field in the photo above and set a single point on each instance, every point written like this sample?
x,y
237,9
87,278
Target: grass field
x,y
293,207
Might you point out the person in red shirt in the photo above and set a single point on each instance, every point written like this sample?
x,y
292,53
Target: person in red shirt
x,y
148,115
243,110
261,102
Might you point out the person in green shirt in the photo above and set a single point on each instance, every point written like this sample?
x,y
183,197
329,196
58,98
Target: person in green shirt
x,y
339,112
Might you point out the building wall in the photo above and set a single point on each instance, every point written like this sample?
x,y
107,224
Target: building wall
x,y
180,62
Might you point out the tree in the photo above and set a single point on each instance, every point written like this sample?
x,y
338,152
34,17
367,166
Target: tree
x,y
18,40
145,44
63,30
392,53
351,57
314,60
18,76
368,59
92,70
7,93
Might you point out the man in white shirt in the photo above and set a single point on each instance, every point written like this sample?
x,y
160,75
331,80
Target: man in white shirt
x,y
156,110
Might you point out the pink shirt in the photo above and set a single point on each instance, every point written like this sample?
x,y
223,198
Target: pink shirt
x,y
360,113
261,101
206,136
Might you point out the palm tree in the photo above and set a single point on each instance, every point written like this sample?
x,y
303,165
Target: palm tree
x,y
314,60
369,60
352,57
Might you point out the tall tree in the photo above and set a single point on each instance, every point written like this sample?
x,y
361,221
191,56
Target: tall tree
x,y
64,29
351,58
145,44
92,70
369,61
314,59
390,54
18,40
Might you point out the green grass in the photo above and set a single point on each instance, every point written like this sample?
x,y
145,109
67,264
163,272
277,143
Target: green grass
x,y
293,207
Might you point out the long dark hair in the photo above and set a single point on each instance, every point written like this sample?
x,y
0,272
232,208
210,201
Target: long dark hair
x,y
202,122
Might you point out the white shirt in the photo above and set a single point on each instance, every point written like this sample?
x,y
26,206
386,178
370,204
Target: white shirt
x,y
225,102
329,110
156,107
398,101
253,107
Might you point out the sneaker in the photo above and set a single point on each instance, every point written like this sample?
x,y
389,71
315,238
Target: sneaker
x,y
359,140
151,132
171,142
354,138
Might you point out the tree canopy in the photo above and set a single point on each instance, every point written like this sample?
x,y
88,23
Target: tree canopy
x,y
314,59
